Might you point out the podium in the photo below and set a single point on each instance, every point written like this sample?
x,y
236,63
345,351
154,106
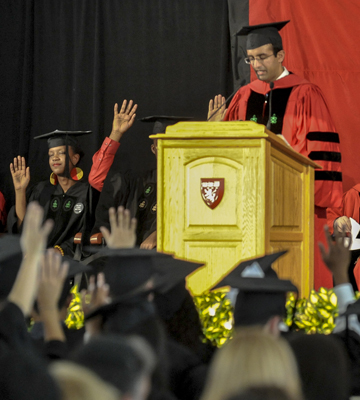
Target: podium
x,y
230,191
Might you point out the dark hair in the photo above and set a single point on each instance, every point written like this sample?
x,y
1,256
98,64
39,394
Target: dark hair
x,y
276,49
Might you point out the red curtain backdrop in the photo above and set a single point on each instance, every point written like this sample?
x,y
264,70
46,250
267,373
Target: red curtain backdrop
x,y
321,45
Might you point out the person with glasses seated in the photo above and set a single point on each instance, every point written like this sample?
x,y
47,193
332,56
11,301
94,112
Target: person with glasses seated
x,y
298,112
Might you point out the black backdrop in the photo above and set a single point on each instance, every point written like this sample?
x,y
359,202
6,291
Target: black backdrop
x,y
64,64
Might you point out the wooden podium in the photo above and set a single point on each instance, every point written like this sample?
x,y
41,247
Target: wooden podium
x,y
264,195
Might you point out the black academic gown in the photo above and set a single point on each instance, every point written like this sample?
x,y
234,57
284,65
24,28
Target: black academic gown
x,y
72,212
136,193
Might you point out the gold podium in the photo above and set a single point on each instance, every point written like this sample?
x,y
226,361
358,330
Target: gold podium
x,y
229,191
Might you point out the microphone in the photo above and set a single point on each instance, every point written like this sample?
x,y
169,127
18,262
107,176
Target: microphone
x,y
224,103
268,125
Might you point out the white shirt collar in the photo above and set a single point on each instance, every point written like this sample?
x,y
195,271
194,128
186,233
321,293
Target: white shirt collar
x,y
284,73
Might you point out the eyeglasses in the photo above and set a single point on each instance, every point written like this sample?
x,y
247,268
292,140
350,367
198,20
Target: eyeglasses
x,y
260,59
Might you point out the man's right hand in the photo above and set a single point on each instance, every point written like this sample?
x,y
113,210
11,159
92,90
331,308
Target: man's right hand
x,y
20,173
217,110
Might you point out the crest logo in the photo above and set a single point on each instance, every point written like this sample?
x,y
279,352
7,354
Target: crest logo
x,y
212,191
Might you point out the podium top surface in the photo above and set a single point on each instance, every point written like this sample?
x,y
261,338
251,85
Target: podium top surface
x,y
229,130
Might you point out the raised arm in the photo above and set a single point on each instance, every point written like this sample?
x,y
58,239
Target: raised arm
x,y
33,243
104,157
52,278
21,179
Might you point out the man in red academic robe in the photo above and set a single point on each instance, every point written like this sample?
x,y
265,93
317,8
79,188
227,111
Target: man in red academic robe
x,y
299,113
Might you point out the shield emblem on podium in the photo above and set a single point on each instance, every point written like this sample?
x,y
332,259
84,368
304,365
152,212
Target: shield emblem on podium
x,y
212,191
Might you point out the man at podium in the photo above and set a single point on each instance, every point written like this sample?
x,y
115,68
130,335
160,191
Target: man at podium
x,y
294,108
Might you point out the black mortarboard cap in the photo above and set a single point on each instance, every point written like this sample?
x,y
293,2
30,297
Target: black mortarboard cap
x,y
256,275
127,270
259,35
161,122
261,293
62,138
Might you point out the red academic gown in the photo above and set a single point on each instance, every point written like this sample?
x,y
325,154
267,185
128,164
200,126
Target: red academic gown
x,y
300,114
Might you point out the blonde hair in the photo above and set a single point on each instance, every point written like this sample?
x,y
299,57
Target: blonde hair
x,y
252,358
79,383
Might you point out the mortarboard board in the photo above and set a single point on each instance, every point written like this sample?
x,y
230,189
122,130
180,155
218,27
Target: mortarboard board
x,y
261,293
162,121
259,35
127,270
61,138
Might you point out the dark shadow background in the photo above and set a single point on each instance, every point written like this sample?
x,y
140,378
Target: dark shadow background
x,y
64,64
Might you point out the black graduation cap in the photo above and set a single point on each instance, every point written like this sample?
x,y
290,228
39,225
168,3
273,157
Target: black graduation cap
x,y
64,138
259,35
161,122
127,270
261,293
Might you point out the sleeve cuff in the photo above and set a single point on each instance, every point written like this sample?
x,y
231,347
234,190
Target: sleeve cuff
x,y
345,296
110,146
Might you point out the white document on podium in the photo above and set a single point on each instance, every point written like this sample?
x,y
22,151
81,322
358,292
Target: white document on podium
x,y
355,228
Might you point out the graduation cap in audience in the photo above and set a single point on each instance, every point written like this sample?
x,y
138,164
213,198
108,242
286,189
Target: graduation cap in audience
x,y
134,273
259,35
64,138
261,293
161,122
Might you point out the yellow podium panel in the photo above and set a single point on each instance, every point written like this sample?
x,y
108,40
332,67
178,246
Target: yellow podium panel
x,y
228,191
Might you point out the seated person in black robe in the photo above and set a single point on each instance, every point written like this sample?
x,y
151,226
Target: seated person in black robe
x,y
66,199
135,193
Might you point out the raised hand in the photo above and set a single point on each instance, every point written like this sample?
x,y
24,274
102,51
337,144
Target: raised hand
x,y
123,229
123,119
34,235
94,297
217,108
337,257
33,242
52,277
20,173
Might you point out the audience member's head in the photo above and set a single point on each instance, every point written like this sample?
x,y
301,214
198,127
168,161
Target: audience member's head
x,y
323,366
79,383
24,377
125,362
252,358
